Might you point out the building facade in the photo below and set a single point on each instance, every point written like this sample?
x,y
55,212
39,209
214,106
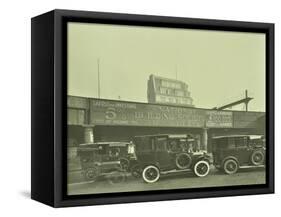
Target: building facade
x,y
91,119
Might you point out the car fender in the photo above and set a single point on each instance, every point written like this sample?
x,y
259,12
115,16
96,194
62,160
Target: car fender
x,y
145,164
199,158
156,164
204,157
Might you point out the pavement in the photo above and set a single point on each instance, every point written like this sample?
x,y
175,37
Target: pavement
x,y
77,185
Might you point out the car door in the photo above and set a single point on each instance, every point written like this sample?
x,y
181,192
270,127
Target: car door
x,y
243,150
162,156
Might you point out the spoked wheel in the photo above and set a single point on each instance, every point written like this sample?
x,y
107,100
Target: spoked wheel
x,y
151,174
136,171
183,161
116,177
257,158
91,174
230,166
201,168
124,164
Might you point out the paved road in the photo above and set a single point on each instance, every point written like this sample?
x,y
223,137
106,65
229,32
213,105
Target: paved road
x,y
186,180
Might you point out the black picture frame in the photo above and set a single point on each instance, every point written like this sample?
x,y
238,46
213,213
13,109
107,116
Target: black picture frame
x,y
49,107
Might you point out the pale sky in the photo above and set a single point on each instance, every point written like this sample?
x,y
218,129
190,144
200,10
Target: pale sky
x,y
217,65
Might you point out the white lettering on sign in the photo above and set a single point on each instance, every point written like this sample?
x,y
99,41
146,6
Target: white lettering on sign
x,y
219,119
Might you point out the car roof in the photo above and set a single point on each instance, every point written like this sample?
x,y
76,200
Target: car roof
x,y
172,136
237,136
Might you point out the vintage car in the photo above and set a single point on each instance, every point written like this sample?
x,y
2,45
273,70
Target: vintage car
x,y
110,159
163,154
234,152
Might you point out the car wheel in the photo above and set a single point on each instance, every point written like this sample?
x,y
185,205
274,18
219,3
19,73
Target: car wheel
x,y
90,174
136,171
124,164
151,174
257,158
183,161
230,166
201,168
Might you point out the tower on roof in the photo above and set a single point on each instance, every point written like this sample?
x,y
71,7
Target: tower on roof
x,y
168,91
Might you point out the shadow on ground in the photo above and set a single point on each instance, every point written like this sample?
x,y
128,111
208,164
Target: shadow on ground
x,y
25,194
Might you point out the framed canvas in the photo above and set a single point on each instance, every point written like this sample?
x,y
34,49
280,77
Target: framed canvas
x,y
134,108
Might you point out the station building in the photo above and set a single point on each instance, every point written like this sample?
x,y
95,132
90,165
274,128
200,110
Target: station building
x,y
92,119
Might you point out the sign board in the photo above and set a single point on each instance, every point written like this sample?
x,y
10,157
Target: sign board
x,y
248,119
137,114
105,112
168,91
217,119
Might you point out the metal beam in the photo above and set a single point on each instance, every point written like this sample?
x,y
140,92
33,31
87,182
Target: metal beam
x,y
245,100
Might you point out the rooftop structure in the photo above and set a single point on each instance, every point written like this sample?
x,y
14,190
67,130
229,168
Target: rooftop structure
x,y
168,91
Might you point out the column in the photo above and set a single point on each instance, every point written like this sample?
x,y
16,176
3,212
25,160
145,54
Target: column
x,y
205,139
89,134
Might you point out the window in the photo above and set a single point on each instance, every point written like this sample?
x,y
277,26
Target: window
x,y
241,142
171,84
179,93
170,92
184,145
101,150
174,146
114,152
163,99
163,90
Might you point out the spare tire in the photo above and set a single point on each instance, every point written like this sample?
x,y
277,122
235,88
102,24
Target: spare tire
x,y
183,161
257,157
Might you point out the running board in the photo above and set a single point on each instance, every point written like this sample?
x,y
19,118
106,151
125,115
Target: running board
x,y
246,167
174,171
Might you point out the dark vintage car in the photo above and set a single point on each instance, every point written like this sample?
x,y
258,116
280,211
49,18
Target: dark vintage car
x,y
234,152
162,154
109,159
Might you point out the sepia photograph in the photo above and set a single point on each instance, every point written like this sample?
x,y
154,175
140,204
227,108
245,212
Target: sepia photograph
x,y
159,108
